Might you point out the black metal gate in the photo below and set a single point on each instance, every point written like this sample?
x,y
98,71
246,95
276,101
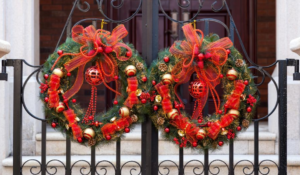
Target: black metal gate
x,y
150,163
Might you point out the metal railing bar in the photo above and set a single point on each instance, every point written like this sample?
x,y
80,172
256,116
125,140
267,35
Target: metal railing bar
x,y
118,157
93,160
256,147
181,169
68,156
44,139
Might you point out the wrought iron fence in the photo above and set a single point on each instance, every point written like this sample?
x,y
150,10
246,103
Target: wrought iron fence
x,y
150,164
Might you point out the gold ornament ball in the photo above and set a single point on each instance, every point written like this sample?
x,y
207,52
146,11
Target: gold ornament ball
x,y
134,118
181,133
172,114
124,112
158,98
232,74
60,108
201,134
234,112
138,92
58,72
167,79
88,133
130,70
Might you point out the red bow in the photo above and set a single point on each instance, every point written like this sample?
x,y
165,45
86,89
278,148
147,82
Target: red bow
x,y
132,97
111,128
54,84
99,39
71,117
233,101
164,90
207,65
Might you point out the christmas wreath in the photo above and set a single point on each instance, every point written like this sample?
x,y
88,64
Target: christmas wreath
x,y
212,60
64,73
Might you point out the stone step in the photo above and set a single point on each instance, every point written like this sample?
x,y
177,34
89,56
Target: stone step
x,y
131,145
81,163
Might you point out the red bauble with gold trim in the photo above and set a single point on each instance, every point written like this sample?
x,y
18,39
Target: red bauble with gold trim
x,y
198,88
93,76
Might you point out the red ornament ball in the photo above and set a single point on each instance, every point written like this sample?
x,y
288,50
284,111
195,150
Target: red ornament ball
x,y
221,76
208,124
220,143
68,74
167,130
116,77
60,52
53,124
246,82
93,76
153,83
155,108
249,109
79,140
46,76
127,130
46,99
220,111
228,51
177,106
100,49
181,105
128,54
238,128
200,56
226,106
195,144
107,137
200,120
176,80
198,88
91,117
115,102
108,50
144,101
74,100
91,52
166,59
144,79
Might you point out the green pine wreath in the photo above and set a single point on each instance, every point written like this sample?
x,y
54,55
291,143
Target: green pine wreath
x,y
112,60
214,61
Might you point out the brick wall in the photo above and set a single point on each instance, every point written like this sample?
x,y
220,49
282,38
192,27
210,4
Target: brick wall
x,y
266,45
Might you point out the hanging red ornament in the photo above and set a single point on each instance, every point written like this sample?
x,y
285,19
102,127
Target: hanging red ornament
x,y
221,76
74,100
94,78
100,49
46,99
177,106
68,74
116,77
228,51
107,137
127,130
155,108
220,143
79,140
200,120
166,59
144,79
246,82
144,101
195,144
181,105
53,124
167,130
198,90
238,128
249,109
115,102
128,54
200,56
153,83
108,50
46,76
60,52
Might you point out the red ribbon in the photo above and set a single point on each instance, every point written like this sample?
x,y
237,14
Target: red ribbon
x,y
207,66
71,117
111,128
234,99
164,91
98,38
132,97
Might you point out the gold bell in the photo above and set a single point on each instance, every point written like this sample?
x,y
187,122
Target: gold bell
x,y
60,108
124,112
88,133
234,112
232,74
58,72
172,114
167,79
130,70
181,133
